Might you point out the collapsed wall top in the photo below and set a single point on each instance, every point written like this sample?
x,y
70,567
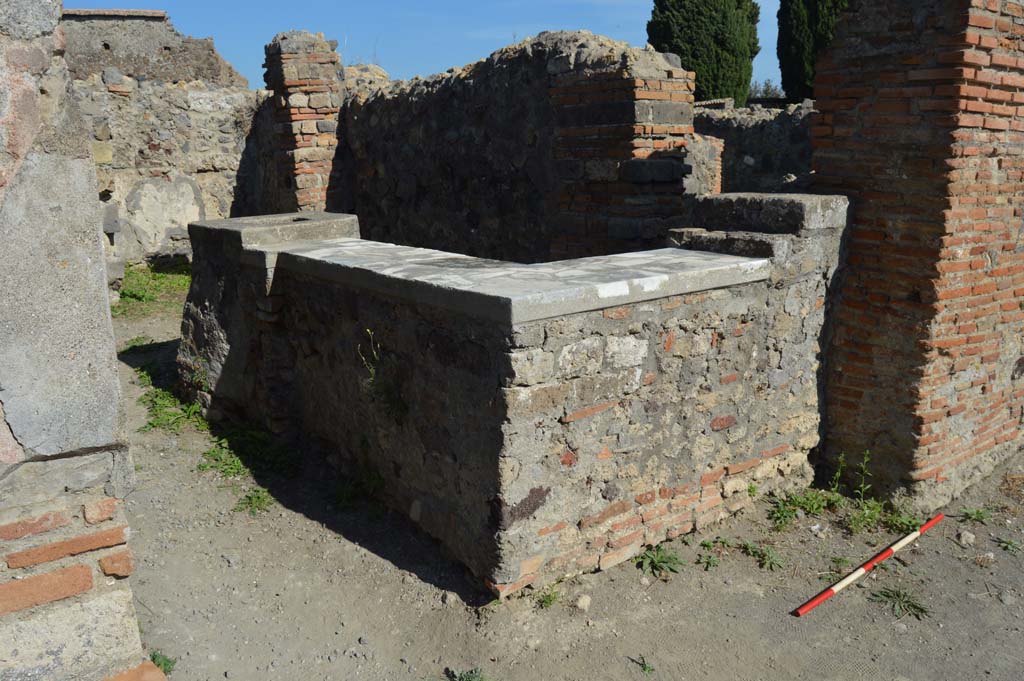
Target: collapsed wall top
x,y
142,44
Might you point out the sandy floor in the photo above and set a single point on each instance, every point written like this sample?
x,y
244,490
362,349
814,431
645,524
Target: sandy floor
x,y
306,591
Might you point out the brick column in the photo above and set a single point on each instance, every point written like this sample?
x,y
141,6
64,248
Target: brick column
x,y
623,149
302,70
922,125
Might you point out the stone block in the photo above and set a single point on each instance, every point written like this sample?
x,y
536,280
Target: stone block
x,y
91,638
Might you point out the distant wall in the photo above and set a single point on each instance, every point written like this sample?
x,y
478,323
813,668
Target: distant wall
x,y
766,150
169,122
142,44
563,145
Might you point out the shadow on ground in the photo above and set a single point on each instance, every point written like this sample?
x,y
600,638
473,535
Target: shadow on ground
x,y
299,478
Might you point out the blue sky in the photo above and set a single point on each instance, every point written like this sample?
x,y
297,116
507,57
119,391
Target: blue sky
x,y
412,37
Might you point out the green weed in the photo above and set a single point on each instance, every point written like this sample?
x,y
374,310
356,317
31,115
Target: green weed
x,y
644,665
146,289
476,674
255,501
166,412
222,459
658,561
548,597
751,490
975,515
901,522
767,558
164,663
708,561
1010,546
901,602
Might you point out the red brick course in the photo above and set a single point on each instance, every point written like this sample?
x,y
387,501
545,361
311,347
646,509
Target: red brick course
x,y
50,520
26,593
68,547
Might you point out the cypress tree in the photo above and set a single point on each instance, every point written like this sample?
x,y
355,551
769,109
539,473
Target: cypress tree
x,y
805,28
715,38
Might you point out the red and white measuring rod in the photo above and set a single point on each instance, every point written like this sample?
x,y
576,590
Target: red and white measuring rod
x,y
865,568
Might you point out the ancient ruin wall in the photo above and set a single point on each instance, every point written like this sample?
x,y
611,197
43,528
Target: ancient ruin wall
x,y
563,145
924,131
142,44
535,433
765,150
66,608
172,135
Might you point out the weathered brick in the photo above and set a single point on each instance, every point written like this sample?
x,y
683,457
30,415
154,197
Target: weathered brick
x,y
43,523
29,592
98,511
68,547
119,564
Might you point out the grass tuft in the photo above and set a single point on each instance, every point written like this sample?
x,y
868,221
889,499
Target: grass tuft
x,y
1010,546
146,289
476,674
548,597
901,602
975,515
255,501
164,663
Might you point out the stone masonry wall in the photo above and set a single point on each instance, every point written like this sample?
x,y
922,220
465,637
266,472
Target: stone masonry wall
x,y
172,135
563,145
66,607
766,150
925,132
541,448
142,44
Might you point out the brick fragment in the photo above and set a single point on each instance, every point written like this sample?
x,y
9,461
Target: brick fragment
x,y
147,671
120,564
99,511
69,547
21,594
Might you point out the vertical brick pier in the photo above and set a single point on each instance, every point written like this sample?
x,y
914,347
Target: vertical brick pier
x,y
302,70
924,131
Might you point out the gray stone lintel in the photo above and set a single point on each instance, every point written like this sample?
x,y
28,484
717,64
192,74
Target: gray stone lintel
x,y
325,246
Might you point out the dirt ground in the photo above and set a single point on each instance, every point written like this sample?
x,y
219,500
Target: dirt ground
x,y
307,591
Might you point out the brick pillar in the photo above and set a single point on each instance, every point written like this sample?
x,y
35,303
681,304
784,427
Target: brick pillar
x,y
922,126
623,141
302,70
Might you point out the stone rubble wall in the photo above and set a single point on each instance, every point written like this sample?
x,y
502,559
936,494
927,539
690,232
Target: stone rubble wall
x,y
928,360
66,609
168,154
765,150
172,135
547,447
563,145
635,424
142,44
